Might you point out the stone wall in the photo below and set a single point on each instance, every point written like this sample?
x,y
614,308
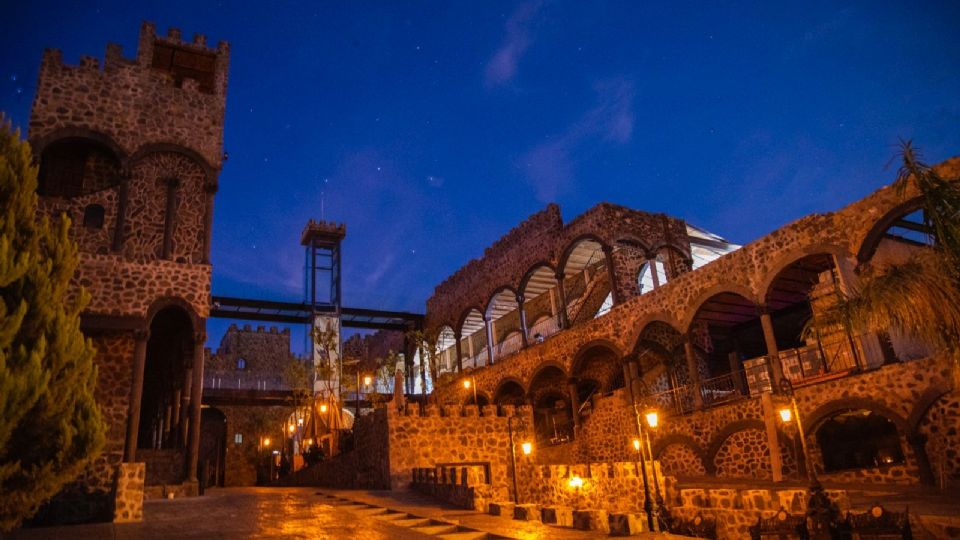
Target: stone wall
x,y
613,486
252,423
129,493
265,351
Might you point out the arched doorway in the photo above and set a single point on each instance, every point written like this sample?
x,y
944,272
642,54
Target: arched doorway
x,y
586,280
858,439
552,413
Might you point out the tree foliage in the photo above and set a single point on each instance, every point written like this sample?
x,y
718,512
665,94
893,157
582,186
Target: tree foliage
x,y
50,424
919,296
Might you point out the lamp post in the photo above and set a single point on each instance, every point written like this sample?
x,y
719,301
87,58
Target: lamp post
x,y
469,383
649,505
819,508
526,447
653,420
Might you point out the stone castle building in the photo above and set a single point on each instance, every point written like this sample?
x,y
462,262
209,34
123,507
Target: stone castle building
x,y
131,150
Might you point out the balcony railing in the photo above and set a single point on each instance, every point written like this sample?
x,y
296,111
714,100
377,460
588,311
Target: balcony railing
x,y
545,328
244,381
512,344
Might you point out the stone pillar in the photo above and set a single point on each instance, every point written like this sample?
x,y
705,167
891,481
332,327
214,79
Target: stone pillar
x,y
628,381
776,370
917,442
209,190
652,261
612,275
574,402
457,338
136,394
773,437
123,200
562,297
488,325
196,396
170,217
522,311
693,372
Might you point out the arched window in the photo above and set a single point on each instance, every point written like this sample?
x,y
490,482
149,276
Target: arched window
x,y
859,439
72,167
241,363
93,216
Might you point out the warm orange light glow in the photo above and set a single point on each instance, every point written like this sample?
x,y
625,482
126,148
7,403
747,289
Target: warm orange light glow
x,y
292,428
323,407
575,482
527,448
786,414
636,444
466,383
367,380
308,442
652,419
266,441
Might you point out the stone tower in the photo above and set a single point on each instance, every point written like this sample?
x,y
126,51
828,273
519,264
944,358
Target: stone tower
x,y
131,151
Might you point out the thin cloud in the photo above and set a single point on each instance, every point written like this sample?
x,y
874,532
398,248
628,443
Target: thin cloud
x,y
502,67
550,167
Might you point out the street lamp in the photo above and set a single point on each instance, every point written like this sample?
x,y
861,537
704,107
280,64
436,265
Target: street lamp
x,y
526,447
650,502
653,419
471,383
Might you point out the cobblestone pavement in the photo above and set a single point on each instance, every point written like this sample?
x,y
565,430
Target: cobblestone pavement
x,y
237,513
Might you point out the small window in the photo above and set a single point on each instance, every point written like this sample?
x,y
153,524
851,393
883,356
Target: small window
x,y
241,363
93,216
238,438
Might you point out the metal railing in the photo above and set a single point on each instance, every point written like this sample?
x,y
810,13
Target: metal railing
x,y
722,389
512,344
545,328
243,381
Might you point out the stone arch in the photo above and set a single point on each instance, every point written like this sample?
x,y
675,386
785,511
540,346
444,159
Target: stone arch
x,y
831,408
679,462
39,144
209,170
570,247
493,296
682,250
721,437
168,301
729,287
597,367
541,367
584,349
661,317
529,274
785,261
868,246
507,389
923,404
632,242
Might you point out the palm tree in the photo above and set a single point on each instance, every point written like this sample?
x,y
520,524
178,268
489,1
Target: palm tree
x,y
919,296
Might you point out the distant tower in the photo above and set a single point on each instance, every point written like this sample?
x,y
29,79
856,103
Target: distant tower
x,y
321,241
131,151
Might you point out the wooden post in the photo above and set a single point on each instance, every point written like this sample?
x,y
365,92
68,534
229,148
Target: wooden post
x,y
196,396
776,369
136,394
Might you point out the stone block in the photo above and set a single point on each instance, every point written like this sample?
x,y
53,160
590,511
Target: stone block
x,y
526,512
433,411
557,515
794,500
722,498
129,492
695,497
499,508
758,499
452,411
471,410
591,520
627,524
489,410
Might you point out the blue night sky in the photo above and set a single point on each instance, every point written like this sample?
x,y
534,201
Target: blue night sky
x,y
432,128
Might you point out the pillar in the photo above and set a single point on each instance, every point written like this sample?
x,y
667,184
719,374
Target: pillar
x,y
521,310
776,369
488,326
628,380
574,402
196,396
170,217
457,338
562,297
122,203
136,394
870,342
917,442
654,275
773,437
693,372
612,275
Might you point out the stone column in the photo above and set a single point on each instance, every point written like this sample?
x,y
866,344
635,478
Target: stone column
x,y
196,396
612,275
122,203
628,381
170,217
521,310
488,325
917,442
562,297
652,262
136,394
776,370
209,190
457,338
773,438
693,372
574,402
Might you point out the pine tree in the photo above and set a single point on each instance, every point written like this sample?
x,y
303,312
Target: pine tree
x,y
50,424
